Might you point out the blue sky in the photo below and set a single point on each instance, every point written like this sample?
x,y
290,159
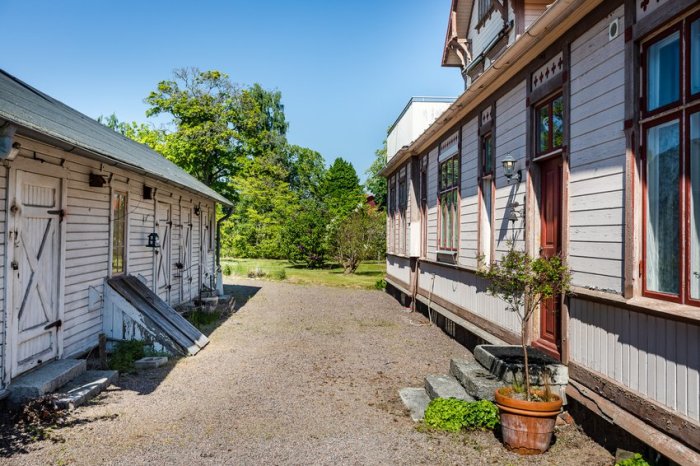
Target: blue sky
x,y
345,69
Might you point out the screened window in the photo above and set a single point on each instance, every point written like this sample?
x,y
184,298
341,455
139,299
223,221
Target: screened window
x,y
671,150
550,125
118,233
449,204
663,72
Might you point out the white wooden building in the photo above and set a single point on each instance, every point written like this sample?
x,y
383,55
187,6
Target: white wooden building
x,y
599,105
77,204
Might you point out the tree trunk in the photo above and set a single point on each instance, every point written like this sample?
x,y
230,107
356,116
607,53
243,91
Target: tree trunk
x,y
527,365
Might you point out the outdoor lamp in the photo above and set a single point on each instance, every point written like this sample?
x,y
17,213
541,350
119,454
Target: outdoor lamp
x,y
509,168
153,241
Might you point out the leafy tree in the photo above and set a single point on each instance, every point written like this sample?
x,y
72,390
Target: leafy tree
x,y
304,235
360,236
341,189
375,183
139,132
307,170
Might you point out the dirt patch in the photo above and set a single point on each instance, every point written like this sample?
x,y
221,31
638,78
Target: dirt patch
x,y
299,375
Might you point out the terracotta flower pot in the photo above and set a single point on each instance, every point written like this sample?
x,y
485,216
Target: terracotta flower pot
x,y
527,426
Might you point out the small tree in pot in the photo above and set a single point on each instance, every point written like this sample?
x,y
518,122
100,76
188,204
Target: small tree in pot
x,y
526,283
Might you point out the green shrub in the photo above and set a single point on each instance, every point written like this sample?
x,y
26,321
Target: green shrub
x,y
380,284
124,355
201,319
280,274
636,460
257,272
454,415
227,270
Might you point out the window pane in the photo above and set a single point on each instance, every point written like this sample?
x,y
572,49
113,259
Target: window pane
x,y
543,129
662,235
488,151
118,232
695,206
558,122
663,73
695,57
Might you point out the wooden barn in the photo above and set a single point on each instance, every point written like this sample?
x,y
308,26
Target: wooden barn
x,y
79,205
596,106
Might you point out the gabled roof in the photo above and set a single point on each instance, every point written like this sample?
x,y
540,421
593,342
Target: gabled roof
x,y
30,108
455,38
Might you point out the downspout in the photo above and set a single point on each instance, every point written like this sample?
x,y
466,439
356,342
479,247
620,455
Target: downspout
x,y
228,211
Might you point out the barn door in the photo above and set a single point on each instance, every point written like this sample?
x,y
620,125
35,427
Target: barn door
x,y
35,270
186,253
205,239
164,229
550,245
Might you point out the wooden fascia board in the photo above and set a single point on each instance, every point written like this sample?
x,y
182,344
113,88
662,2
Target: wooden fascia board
x,y
552,27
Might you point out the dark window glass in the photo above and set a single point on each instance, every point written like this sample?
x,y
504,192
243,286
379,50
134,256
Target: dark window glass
x,y
118,233
543,129
487,155
663,72
695,57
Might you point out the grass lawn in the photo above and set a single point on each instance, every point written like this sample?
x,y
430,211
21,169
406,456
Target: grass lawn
x,y
366,275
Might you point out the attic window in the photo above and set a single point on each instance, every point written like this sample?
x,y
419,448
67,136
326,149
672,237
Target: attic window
x,y
484,8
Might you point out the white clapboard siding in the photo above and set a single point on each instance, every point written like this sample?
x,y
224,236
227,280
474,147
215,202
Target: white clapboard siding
x,y
464,289
510,137
399,267
141,224
658,358
469,207
3,310
432,204
597,162
482,37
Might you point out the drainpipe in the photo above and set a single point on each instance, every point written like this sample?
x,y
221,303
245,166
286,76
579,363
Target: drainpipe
x,y
228,211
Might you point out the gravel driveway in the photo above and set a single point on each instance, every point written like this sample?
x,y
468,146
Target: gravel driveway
x,y
299,375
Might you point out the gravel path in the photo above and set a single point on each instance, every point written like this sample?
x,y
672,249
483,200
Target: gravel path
x,y
299,375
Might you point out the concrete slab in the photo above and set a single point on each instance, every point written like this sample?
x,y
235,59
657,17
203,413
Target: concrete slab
x,y
507,361
416,400
84,388
445,386
477,381
151,362
45,379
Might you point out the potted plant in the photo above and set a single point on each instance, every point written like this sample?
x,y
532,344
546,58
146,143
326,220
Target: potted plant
x,y
528,414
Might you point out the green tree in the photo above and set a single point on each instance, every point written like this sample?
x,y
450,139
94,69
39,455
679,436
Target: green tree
x,y
359,236
341,189
307,170
375,183
304,235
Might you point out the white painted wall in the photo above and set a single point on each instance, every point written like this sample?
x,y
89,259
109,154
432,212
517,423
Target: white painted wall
x,y
597,161
414,120
3,222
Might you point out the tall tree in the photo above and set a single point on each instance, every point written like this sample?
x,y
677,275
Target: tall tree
x,y
375,183
341,189
306,169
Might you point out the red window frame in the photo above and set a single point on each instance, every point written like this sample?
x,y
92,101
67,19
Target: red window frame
x,y
445,189
685,106
486,176
549,103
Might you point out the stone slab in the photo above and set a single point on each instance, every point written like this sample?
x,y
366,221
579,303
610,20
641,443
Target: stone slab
x,y
477,381
46,379
445,386
416,400
506,361
85,387
150,362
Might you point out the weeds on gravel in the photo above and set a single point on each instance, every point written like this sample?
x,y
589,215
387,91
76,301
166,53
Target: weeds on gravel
x,y
453,415
125,354
201,319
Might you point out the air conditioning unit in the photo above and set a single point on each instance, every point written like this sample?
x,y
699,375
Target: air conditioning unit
x,y
613,29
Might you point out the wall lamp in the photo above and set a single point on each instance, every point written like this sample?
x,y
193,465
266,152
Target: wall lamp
x,y
153,240
509,164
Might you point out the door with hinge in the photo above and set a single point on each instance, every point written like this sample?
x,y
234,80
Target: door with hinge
x,y
35,270
205,244
162,257
186,253
551,179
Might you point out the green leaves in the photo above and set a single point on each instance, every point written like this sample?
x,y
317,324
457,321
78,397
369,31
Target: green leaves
x,y
454,415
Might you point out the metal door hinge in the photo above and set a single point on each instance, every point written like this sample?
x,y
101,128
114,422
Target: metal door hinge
x,y
56,324
60,212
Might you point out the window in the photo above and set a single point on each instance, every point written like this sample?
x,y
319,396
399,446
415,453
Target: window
x,y
549,118
391,213
486,185
118,233
403,203
449,204
671,151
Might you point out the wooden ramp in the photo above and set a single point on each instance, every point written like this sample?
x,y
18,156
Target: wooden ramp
x,y
155,318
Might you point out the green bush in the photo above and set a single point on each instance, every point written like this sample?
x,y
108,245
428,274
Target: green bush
x,y
201,319
280,274
124,355
380,284
227,270
454,415
636,460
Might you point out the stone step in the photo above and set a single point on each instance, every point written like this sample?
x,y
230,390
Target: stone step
x,y
445,386
416,400
45,379
84,388
477,381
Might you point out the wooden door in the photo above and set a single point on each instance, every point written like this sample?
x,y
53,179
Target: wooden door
x,y
35,270
205,240
186,253
550,245
162,257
